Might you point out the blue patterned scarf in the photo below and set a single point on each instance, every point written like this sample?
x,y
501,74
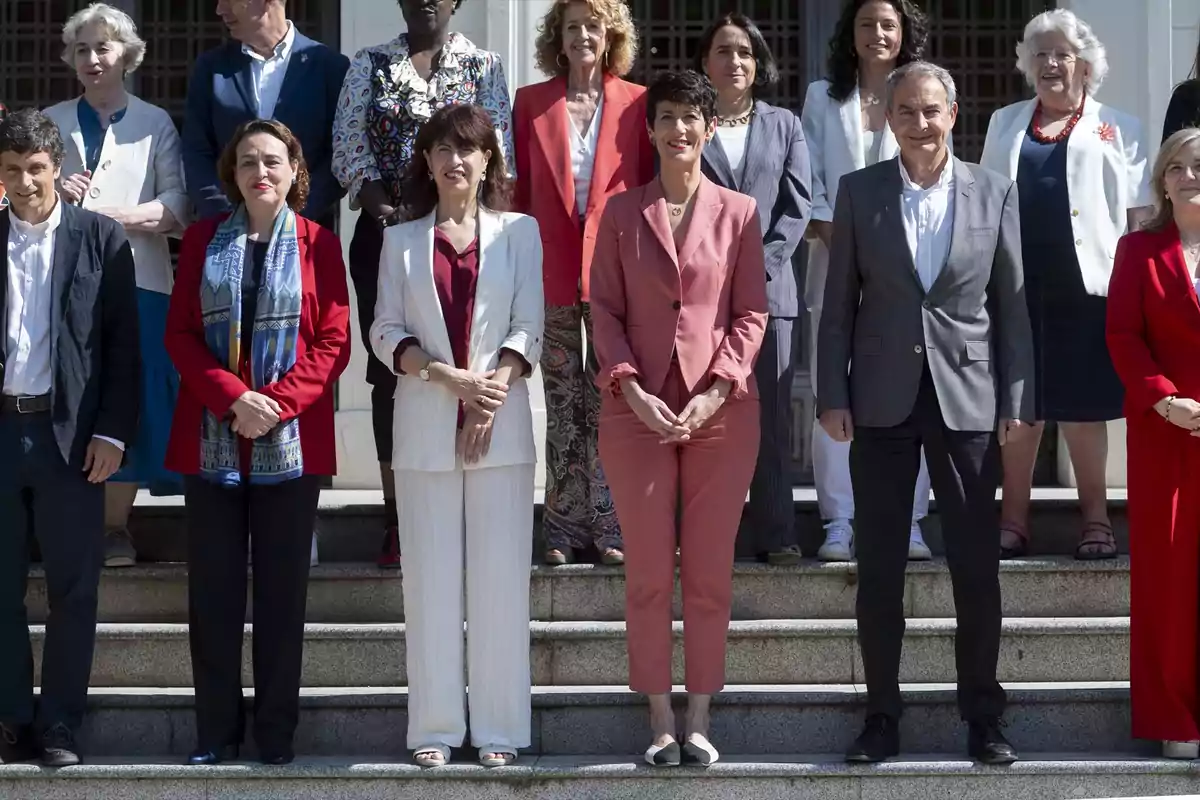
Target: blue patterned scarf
x,y
275,457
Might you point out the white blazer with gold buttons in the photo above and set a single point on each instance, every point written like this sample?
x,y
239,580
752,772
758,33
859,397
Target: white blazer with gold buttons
x,y
508,315
140,161
1107,175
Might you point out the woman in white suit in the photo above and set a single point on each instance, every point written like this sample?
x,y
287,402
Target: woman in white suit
x,y
459,319
1082,180
844,124
123,160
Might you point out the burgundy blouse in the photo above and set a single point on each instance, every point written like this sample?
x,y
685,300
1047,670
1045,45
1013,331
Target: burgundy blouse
x,y
455,275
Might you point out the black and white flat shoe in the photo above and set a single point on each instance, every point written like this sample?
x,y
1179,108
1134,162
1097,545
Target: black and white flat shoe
x,y
698,750
666,755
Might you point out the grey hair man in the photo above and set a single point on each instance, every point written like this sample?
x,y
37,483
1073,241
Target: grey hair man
x,y
925,341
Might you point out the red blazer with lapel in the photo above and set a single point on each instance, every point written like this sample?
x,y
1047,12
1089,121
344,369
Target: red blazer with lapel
x,y
546,188
306,391
707,304
1153,321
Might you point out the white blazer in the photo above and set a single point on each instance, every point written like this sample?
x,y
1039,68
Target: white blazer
x,y
834,134
1107,175
140,161
508,315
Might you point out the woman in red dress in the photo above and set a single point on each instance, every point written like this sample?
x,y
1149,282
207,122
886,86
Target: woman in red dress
x,y
1154,339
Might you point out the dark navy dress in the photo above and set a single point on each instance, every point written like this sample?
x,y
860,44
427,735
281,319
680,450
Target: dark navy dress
x,y
1075,380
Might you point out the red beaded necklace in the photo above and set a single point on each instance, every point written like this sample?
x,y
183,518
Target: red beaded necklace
x,y
1064,133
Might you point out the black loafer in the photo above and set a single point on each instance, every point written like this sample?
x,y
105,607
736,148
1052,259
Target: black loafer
x,y
987,745
210,758
277,759
879,741
17,744
58,747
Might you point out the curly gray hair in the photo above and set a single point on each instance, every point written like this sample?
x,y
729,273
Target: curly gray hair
x,y
1086,44
117,23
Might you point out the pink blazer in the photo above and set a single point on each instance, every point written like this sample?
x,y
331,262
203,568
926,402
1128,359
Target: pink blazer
x,y
707,303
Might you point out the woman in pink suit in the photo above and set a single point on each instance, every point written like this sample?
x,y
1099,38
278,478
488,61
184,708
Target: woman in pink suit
x,y
679,305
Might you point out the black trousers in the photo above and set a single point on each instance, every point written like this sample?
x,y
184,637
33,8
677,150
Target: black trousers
x,y
220,521
771,513
68,523
365,249
964,469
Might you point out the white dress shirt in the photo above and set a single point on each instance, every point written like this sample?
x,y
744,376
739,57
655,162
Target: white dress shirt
x,y
928,221
583,155
268,73
733,142
29,308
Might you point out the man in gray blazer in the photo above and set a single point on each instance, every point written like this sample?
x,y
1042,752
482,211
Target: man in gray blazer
x,y
925,340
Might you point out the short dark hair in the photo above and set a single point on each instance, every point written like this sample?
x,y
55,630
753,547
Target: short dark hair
x,y
462,125
457,3
30,131
843,57
227,165
766,70
688,88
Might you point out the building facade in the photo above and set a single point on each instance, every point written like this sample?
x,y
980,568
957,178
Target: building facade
x,y
1151,46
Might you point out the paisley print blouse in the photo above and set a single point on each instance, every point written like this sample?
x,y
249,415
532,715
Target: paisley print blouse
x,y
384,102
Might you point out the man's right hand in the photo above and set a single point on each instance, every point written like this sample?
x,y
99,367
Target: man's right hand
x,y
373,198
839,424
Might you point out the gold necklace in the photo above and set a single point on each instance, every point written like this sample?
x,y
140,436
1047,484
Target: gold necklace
x,y
676,211
739,120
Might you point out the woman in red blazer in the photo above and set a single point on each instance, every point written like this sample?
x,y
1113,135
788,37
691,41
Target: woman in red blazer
x,y
679,295
579,138
1154,340
259,330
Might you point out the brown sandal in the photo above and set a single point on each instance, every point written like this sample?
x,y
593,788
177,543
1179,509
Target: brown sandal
x,y
1021,548
1096,542
556,557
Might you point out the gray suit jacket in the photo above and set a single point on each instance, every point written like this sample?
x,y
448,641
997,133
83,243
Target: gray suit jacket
x,y
879,326
776,173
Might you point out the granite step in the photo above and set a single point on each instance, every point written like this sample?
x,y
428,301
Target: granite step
x,y
610,720
593,653
351,522
1040,776
361,593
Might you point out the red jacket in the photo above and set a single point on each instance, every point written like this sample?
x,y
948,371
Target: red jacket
x,y
546,187
306,391
1153,321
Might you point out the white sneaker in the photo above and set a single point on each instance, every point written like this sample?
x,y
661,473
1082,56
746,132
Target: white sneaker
x,y
839,541
917,549
312,555
1185,751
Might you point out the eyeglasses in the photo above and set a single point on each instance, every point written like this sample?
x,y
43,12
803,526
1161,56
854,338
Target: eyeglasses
x,y
1058,56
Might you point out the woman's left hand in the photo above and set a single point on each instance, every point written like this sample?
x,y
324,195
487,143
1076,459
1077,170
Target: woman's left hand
x,y
475,438
701,408
115,214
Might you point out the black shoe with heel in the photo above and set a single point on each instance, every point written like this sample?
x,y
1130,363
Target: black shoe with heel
x,y
17,744
879,741
210,758
59,748
987,745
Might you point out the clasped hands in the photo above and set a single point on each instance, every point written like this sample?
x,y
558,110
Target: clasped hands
x,y
839,424
254,415
482,396
672,427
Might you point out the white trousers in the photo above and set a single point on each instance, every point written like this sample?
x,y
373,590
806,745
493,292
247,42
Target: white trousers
x,y
831,461
467,540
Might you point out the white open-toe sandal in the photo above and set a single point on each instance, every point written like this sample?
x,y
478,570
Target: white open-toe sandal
x,y
434,755
697,749
497,755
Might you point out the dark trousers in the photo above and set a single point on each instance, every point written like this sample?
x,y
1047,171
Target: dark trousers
x,y
365,249
220,522
771,513
68,523
964,469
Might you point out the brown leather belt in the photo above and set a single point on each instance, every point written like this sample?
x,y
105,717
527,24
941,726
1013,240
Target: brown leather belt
x,y
24,404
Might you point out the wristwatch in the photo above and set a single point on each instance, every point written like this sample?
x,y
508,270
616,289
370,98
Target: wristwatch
x,y
423,373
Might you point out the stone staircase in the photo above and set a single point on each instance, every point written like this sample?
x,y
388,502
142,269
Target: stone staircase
x,y
793,703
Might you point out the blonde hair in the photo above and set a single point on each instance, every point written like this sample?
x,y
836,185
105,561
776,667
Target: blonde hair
x,y
120,27
620,50
1164,210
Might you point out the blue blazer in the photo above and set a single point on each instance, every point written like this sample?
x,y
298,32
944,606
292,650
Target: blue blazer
x,y
221,97
775,172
